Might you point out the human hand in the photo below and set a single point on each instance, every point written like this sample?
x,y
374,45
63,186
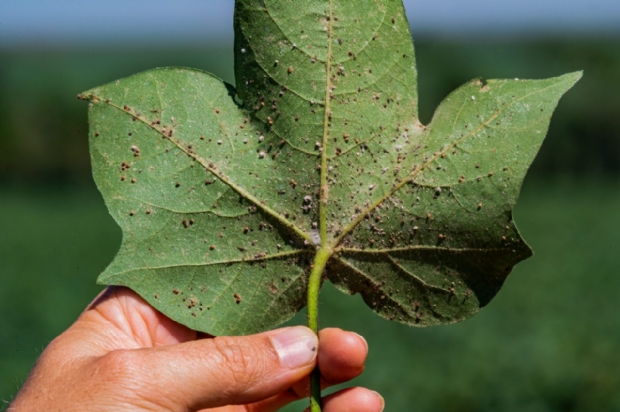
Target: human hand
x,y
123,355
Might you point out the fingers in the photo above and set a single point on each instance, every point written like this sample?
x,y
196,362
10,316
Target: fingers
x,y
347,400
215,372
353,400
183,373
342,357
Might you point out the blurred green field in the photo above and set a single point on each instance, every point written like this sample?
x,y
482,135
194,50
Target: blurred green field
x,y
43,126
548,342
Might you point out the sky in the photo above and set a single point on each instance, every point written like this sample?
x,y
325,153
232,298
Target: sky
x,y
61,23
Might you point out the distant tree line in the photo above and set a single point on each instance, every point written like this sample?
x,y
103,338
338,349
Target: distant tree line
x,y
43,128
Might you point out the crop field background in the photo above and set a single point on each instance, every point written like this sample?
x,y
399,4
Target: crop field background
x,y
550,341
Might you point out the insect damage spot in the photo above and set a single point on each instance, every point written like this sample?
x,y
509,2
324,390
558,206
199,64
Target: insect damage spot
x,y
307,204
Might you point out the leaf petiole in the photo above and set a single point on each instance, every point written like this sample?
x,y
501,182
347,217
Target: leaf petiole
x,y
314,285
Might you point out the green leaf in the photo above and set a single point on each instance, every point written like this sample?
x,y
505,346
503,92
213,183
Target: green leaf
x,y
225,197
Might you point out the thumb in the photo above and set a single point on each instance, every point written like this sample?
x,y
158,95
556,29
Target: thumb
x,y
215,372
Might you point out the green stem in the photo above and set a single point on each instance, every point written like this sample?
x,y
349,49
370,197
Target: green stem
x,y
314,285
325,252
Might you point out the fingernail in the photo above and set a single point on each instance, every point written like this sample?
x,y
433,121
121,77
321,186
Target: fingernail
x,y
380,400
362,339
296,347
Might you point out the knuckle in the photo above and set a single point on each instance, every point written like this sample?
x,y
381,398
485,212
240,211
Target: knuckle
x,y
124,375
240,361
120,366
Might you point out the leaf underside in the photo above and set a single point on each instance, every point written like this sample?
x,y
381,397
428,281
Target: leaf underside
x,y
224,195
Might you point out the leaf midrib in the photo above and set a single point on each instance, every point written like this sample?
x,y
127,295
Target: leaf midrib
x,y
432,159
212,170
273,256
324,189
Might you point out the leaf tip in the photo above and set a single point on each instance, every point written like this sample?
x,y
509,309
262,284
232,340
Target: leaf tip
x,y
88,95
572,78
